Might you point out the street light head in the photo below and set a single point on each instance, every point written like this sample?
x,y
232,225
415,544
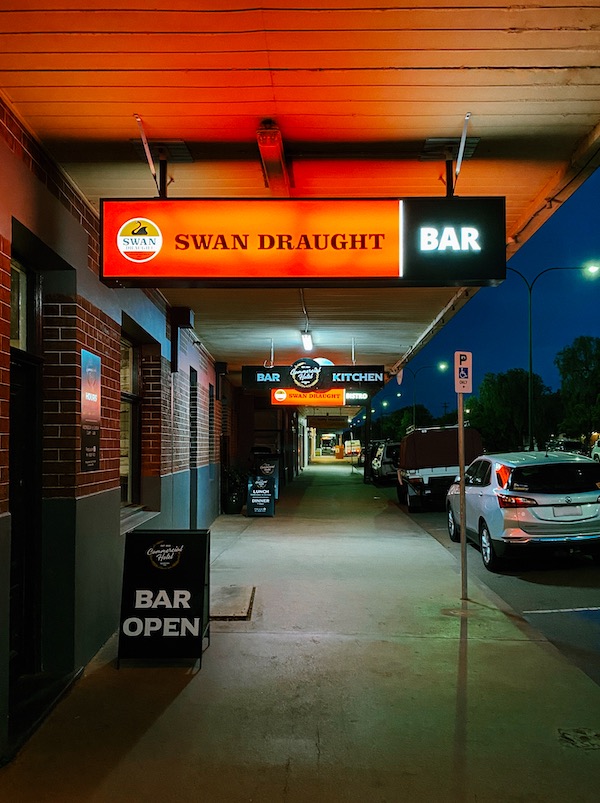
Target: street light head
x,y
593,269
443,366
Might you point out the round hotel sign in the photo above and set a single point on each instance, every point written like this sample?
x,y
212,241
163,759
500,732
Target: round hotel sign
x,y
305,373
139,240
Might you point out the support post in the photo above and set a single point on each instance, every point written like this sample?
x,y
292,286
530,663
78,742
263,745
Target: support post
x,y
463,528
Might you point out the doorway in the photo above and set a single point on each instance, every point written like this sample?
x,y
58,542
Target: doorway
x,y
25,509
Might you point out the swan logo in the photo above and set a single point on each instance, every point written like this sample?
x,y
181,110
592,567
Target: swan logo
x,y
139,240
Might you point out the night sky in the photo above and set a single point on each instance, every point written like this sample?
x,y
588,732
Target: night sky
x,y
493,325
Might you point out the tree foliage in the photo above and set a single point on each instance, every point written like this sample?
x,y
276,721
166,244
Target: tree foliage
x,y
579,368
394,425
501,411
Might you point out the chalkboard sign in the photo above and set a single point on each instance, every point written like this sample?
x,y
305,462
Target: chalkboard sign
x,y
165,597
261,496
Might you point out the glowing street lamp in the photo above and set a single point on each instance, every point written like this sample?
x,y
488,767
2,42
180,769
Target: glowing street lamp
x,y
441,366
592,270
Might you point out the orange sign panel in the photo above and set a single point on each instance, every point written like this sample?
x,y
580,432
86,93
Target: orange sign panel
x,y
159,240
327,398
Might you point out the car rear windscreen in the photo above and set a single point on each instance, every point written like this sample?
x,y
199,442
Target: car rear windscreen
x,y
557,478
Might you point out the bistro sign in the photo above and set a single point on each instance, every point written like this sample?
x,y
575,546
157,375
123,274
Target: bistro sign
x,y
389,242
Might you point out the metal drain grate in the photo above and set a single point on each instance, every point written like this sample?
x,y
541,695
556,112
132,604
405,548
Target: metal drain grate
x,y
586,738
229,603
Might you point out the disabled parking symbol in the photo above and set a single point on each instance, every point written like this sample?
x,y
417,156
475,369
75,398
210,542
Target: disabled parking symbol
x,y
463,362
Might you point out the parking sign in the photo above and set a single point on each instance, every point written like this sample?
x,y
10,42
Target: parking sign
x,y
463,372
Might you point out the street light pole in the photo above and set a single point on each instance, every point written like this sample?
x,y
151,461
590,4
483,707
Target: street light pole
x,y
384,404
530,286
442,366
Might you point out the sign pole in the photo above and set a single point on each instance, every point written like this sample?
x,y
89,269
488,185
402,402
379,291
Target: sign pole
x,y
461,468
463,383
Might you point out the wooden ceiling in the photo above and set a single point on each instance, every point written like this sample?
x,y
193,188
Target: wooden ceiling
x,y
370,100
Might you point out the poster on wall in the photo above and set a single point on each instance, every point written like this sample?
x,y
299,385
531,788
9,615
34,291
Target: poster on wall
x,y
90,411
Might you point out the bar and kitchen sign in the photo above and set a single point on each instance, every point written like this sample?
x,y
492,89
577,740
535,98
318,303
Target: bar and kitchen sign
x,y
309,376
413,242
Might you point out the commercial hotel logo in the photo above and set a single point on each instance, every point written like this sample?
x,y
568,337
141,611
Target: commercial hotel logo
x,y
139,240
305,373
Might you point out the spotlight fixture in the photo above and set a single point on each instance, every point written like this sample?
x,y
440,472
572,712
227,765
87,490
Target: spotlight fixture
x,y
307,341
270,146
305,335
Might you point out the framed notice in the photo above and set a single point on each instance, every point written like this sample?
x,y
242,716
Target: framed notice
x,y
165,596
90,411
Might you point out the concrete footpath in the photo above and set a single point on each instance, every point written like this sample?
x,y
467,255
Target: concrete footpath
x,y
359,677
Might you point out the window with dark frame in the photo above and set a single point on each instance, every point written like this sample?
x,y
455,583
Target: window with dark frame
x,y
18,307
130,458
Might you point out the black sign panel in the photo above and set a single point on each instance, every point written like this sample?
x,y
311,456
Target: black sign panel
x,y
90,447
164,602
306,374
261,496
453,241
266,465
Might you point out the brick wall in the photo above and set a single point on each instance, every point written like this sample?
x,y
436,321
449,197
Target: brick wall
x,y
25,147
70,325
4,369
151,410
209,437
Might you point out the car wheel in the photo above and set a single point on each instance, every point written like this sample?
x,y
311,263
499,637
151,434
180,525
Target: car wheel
x,y
401,493
490,559
414,503
595,553
453,528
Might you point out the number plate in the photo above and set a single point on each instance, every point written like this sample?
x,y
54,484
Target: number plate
x,y
567,510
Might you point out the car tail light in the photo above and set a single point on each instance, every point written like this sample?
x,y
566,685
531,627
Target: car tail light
x,y
504,500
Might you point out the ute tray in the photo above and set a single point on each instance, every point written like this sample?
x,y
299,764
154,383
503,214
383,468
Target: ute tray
x,y
435,447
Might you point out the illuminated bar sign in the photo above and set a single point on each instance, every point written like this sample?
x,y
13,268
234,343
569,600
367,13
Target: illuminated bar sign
x,y
308,376
323,398
288,242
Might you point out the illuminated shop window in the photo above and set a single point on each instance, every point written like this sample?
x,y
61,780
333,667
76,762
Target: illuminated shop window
x,y
18,308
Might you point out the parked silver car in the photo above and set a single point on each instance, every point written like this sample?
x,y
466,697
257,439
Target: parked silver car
x,y
528,499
